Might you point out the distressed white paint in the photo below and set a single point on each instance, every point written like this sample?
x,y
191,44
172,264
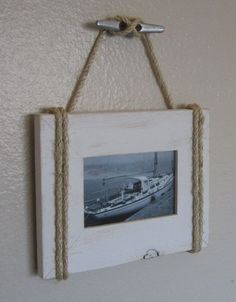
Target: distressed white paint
x,y
106,134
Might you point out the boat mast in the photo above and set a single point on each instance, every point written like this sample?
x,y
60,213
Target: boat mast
x,y
155,164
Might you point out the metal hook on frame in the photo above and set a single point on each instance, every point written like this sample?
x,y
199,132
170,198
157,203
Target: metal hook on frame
x,y
151,253
114,25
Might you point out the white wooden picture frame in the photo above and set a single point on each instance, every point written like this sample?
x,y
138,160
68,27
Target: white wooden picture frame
x,y
103,134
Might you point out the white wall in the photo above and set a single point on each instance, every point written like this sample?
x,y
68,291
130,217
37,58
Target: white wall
x,y
43,46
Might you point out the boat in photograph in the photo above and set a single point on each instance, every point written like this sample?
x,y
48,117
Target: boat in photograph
x,y
135,194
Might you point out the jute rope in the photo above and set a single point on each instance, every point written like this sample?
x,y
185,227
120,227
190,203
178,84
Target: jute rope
x,y
197,175
61,147
61,192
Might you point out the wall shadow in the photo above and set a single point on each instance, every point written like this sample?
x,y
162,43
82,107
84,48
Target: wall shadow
x,y
31,200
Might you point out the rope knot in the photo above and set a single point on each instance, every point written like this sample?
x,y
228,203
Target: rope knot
x,y
128,26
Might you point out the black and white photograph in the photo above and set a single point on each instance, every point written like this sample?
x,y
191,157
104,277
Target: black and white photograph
x,y
122,188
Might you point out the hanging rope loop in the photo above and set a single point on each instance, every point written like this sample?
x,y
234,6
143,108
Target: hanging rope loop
x,y
130,27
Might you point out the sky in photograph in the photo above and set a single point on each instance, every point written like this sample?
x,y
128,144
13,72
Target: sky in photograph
x,y
128,163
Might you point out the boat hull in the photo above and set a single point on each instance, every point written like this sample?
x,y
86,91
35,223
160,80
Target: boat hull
x,y
164,189
130,208
123,209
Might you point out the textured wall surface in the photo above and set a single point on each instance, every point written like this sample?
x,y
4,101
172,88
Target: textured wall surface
x,y
43,46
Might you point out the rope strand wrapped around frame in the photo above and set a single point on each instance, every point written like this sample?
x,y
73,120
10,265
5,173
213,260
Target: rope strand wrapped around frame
x,y
61,192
